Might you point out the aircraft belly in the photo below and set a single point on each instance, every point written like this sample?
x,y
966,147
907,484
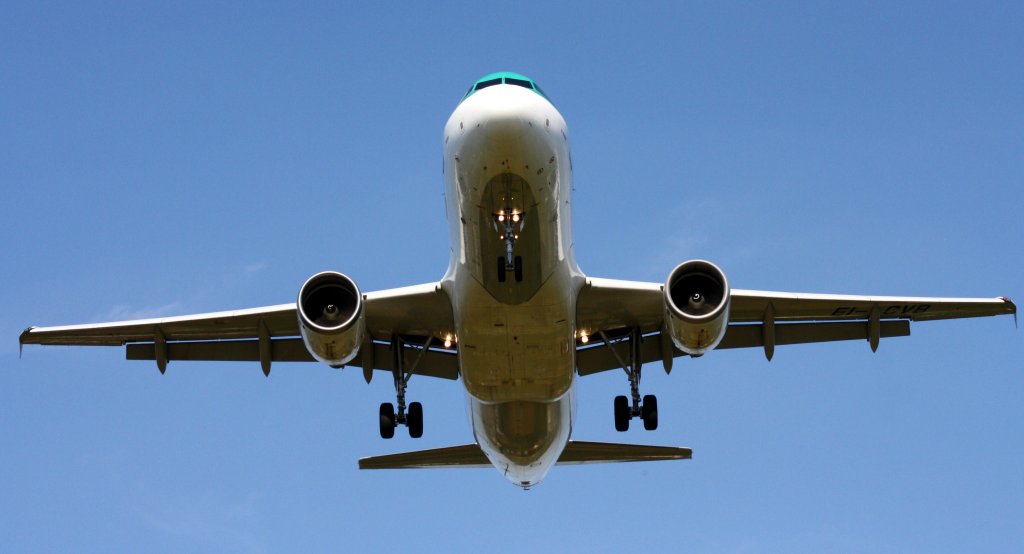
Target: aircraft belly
x,y
507,153
523,439
515,327
523,352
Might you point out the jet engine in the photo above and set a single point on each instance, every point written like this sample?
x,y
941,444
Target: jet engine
x,y
697,306
330,309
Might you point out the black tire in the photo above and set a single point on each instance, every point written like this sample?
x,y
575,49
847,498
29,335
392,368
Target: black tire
x,y
649,412
415,420
622,414
519,269
387,420
501,270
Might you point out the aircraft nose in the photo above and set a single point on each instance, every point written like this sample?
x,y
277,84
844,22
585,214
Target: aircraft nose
x,y
506,126
503,113
503,123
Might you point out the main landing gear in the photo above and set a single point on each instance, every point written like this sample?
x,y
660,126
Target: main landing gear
x,y
413,416
389,420
509,223
647,410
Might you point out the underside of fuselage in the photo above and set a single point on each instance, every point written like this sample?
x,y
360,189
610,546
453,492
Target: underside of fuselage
x,y
523,439
512,277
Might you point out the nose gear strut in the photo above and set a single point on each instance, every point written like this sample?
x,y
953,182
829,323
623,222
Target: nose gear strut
x,y
508,223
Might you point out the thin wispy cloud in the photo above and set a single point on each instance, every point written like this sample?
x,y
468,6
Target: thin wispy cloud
x,y
122,312
254,268
713,230
675,250
231,280
234,277
203,518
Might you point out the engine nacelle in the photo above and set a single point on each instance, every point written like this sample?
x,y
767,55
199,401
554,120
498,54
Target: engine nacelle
x,y
697,306
330,309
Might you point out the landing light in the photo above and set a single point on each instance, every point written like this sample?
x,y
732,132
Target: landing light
x,y
584,338
448,339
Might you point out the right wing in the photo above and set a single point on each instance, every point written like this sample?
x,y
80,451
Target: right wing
x,y
271,333
757,319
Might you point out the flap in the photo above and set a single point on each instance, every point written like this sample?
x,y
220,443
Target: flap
x,y
597,357
439,363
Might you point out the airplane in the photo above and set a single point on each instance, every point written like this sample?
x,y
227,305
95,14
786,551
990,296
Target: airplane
x,y
514,317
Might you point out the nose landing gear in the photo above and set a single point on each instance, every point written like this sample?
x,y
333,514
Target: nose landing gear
x,y
508,223
517,269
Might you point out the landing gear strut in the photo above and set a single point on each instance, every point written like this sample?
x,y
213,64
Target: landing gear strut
x,y
413,416
625,410
509,223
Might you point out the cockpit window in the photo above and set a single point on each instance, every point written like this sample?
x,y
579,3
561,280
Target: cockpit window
x,y
507,78
487,83
518,83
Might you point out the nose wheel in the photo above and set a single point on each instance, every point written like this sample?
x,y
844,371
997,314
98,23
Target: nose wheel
x,y
516,269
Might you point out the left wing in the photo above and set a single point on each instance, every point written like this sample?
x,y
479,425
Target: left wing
x,y
758,318
271,333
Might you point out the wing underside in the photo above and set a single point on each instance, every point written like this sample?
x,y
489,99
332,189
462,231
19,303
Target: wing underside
x,y
416,314
609,310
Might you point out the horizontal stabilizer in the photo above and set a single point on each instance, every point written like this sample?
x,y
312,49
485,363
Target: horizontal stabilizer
x,y
583,452
576,452
465,455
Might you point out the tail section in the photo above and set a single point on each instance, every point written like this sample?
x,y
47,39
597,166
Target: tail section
x,y
576,452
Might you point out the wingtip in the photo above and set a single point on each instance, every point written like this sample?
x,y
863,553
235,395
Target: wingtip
x,y
1013,309
21,340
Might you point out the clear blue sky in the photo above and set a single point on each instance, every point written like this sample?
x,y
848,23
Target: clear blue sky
x,y
161,160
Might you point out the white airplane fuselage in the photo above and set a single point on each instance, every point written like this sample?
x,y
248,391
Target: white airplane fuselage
x,y
506,157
